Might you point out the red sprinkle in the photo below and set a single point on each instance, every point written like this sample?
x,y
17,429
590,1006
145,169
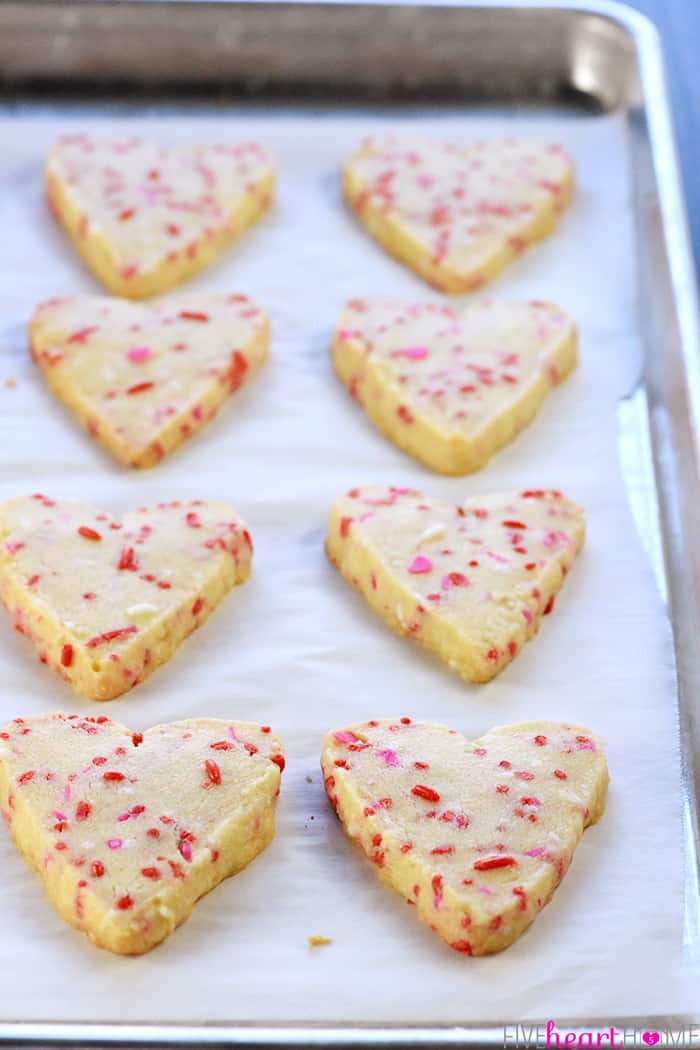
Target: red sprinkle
x,y
112,776
428,793
125,902
462,946
110,636
279,761
345,524
89,534
97,868
198,606
193,315
213,771
150,873
136,739
488,863
127,560
520,893
83,810
138,388
66,656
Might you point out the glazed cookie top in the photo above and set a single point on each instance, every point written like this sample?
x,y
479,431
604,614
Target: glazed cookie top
x,y
462,203
107,580
458,368
149,200
137,367
487,814
133,814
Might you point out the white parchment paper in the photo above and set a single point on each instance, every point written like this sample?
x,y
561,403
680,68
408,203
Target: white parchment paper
x,y
295,647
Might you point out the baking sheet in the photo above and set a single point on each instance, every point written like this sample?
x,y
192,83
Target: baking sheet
x,y
297,649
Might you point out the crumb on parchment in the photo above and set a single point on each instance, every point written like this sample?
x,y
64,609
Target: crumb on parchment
x,y
318,942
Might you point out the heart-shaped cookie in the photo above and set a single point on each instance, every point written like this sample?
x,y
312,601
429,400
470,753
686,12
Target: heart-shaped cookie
x,y
144,216
477,834
128,830
448,387
472,581
457,215
106,601
142,378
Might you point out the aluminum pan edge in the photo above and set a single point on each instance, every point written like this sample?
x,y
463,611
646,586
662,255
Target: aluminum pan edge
x,y
336,44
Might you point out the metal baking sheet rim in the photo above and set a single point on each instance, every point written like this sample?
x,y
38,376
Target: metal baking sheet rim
x,y
678,583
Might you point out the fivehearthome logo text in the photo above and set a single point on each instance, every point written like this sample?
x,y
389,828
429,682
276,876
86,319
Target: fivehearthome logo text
x,y
549,1036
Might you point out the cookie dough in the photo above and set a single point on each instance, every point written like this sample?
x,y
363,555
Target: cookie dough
x,y
471,582
452,387
107,601
128,830
140,378
475,835
144,216
456,215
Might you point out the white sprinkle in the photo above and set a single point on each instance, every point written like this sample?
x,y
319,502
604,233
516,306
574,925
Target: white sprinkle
x,y
144,609
433,532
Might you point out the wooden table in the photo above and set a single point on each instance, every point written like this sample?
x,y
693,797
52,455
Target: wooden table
x,y
679,24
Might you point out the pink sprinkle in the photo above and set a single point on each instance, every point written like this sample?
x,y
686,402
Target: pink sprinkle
x,y
420,564
12,548
58,815
535,852
115,843
528,616
186,850
389,756
497,557
232,733
344,737
552,539
414,353
66,793
123,816
139,353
